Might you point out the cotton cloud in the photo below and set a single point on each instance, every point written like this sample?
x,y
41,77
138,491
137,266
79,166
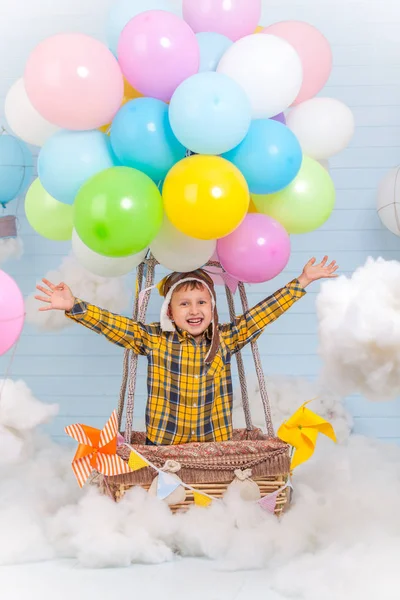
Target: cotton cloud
x,y
111,294
10,248
359,331
340,538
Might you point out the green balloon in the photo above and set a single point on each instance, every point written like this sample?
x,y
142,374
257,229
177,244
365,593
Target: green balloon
x,y
48,217
118,212
305,204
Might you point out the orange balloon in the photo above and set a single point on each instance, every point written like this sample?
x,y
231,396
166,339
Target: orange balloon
x,y
129,94
252,207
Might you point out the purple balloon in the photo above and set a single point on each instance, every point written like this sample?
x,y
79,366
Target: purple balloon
x,y
280,118
257,251
157,51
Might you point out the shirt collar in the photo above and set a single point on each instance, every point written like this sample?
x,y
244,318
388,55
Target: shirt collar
x,y
184,335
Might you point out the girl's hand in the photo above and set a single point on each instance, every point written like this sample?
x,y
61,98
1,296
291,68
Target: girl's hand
x,y
58,297
313,272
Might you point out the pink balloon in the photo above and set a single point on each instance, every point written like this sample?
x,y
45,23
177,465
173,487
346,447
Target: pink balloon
x,y
234,19
157,51
258,250
314,51
74,81
12,312
219,277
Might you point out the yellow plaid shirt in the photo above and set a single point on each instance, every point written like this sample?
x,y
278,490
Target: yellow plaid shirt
x,y
188,400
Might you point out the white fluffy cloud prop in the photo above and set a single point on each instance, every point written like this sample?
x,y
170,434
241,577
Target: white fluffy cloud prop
x,y
359,331
111,294
10,248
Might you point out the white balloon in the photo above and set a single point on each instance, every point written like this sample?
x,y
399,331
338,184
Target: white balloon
x,y
178,252
104,266
388,201
269,70
24,120
323,126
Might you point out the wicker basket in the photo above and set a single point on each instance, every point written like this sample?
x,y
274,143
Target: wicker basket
x,y
207,467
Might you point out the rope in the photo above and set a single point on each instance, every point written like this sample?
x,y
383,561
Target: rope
x,y
240,365
150,272
259,370
127,353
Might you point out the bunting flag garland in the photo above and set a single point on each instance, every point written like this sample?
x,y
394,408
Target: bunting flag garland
x,y
136,462
201,499
97,450
268,503
301,431
166,485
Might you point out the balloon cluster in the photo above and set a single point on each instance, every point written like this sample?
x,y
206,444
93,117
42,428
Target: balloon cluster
x,y
168,136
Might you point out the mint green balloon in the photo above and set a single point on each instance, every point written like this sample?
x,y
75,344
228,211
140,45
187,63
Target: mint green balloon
x,y
48,217
118,212
305,204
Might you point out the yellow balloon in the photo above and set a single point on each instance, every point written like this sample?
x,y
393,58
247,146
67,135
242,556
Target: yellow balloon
x,y
205,197
129,94
259,29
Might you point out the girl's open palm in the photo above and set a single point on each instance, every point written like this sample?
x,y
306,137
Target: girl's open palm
x,y
57,297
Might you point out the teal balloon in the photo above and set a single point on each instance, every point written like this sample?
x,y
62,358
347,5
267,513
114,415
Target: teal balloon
x,y
210,113
16,168
269,157
142,138
212,48
69,158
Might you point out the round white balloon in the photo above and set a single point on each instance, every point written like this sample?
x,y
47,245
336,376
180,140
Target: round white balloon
x,y
104,266
24,119
178,252
323,126
388,201
269,70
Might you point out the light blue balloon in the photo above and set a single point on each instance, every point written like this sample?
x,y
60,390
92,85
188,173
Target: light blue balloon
x,y
123,11
142,138
210,113
212,47
69,158
16,168
269,157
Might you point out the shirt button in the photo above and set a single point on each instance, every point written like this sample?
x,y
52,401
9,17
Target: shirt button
x,y
195,404
193,432
196,376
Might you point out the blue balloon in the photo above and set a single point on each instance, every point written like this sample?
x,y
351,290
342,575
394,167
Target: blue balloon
x,y
123,11
69,158
212,47
210,113
16,168
269,157
142,138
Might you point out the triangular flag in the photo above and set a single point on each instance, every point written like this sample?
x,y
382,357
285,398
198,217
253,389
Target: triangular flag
x,y
201,499
268,503
166,485
136,462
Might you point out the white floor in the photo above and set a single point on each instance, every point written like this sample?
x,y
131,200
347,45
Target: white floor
x,y
184,579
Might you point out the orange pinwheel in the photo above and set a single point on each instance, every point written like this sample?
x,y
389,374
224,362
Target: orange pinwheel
x,y
97,450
